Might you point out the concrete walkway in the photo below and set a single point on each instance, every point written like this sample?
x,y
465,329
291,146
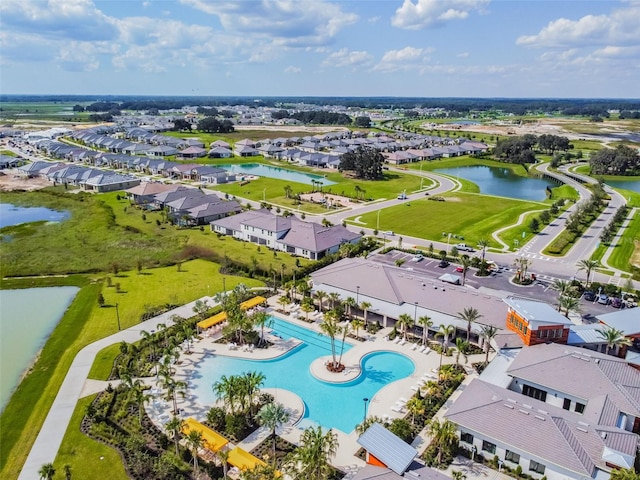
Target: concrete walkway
x,y
76,385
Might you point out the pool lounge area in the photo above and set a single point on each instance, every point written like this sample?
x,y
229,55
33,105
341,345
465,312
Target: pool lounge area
x,y
386,401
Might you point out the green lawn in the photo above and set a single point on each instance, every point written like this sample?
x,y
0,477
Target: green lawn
x,y
514,234
466,161
565,191
103,363
104,230
87,457
621,256
84,323
473,216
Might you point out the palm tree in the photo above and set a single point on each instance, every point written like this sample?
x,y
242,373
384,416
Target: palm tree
x,y
624,474
331,329
47,471
284,301
195,443
271,416
482,245
458,475
174,426
188,332
445,332
307,308
139,396
426,323
334,297
320,295
522,264
570,304
443,435
564,288
173,387
357,324
223,455
614,338
261,319
588,266
461,349
405,321
469,315
415,406
227,390
350,302
487,333
252,382
287,191
67,471
365,306
311,458
465,262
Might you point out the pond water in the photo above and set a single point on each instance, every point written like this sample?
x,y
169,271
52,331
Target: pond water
x,y
275,172
632,184
13,215
28,318
502,182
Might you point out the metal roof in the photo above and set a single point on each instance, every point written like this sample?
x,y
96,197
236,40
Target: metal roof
x,y
537,313
388,448
627,320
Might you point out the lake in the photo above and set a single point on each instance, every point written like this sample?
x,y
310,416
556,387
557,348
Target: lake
x,y
502,182
13,215
633,185
275,172
28,317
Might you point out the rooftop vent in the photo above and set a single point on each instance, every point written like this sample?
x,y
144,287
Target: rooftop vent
x,y
603,435
544,412
511,400
539,417
584,424
508,406
526,405
523,411
582,429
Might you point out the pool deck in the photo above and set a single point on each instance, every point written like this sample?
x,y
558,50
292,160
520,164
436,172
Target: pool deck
x,y
384,404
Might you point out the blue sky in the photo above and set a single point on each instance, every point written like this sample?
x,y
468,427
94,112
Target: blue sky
x,y
425,48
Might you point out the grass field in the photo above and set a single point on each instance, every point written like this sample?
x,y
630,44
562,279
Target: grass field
x,y
84,323
30,111
87,457
104,230
466,161
623,251
565,191
473,216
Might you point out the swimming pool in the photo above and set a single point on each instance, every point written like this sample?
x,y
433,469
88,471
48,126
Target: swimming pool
x,y
276,172
331,405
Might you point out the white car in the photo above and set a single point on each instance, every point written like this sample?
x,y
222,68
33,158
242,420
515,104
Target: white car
x,y
463,247
417,258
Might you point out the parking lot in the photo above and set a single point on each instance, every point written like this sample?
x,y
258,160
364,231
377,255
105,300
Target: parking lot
x,y
500,280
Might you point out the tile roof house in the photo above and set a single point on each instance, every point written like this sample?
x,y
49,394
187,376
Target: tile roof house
x,y
542,439
288,234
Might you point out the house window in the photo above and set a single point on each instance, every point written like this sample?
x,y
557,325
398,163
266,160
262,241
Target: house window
x,y
559,333
536,467
466,438
512,457
567,404
525,330
533,392
579,407
489,447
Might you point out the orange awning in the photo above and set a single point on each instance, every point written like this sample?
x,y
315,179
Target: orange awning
x,y
212,440
252,302
243,460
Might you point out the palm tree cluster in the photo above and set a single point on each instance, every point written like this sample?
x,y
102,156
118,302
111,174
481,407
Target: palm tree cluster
x,y
567,299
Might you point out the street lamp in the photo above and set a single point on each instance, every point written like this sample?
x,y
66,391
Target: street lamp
x,y
365,400
118,316
357,294
415,314
474,450
378,221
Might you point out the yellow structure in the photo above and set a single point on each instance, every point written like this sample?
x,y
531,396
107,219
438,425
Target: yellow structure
x,y
212,440
243,460
222,316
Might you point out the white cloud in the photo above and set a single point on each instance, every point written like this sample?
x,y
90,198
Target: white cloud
x,y
348,58
622,26
293,23
463,55
81,56
292,69
429,13
57,19
408,58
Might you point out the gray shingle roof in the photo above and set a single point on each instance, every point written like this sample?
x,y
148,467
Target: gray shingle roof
x,y
390,449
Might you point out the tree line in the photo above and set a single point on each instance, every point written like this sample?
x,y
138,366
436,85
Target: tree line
x,y
521,149
619,161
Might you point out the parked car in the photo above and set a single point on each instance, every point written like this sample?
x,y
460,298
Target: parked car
x,y
615,302
443,264
459,269
589,296
603,299
463,247
417,258
389,233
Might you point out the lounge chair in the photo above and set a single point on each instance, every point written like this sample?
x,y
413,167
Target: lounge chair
x,y
426,350
415,346
397,340
402,342
396,408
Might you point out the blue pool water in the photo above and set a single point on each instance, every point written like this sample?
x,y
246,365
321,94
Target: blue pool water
x,y
338,406
275,172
